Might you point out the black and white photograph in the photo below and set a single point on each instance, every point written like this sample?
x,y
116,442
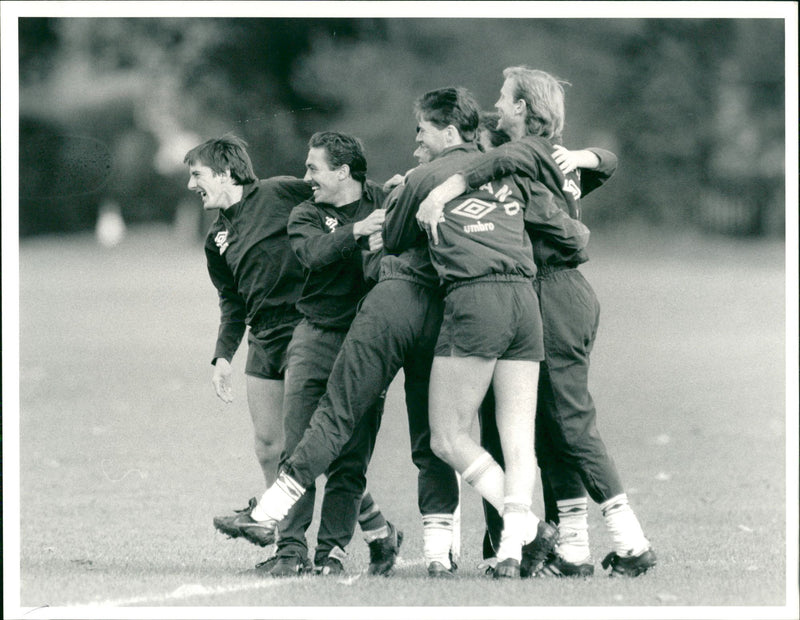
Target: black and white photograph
x,y
447,310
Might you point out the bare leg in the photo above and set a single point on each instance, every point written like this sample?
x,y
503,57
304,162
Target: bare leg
x,y
457,388
515,384
265,401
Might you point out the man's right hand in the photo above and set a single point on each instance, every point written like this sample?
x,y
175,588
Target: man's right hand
x,y
393,182
370,224
221,379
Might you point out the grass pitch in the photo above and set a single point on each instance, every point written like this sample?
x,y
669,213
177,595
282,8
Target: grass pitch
x,y
126,454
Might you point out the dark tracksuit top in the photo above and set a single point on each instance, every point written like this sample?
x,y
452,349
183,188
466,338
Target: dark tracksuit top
x,y
322,239
472,253
250,261
413,264
548,187
401,231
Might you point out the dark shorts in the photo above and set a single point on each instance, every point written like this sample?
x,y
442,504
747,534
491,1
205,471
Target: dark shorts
x,y
266,349
491,319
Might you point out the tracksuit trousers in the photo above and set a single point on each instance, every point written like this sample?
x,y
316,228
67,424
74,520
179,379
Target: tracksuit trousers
x,y
311,355
396,327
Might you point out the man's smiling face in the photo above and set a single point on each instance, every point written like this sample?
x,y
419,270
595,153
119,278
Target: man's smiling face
x,y
325,182
210,185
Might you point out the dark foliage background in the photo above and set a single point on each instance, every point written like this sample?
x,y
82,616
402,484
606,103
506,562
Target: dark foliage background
x,y
108,106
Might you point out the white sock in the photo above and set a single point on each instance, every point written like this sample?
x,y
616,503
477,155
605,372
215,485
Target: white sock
x,y
515,522
573,529
437,537
381,532
278,499
487,478
624,526
531,527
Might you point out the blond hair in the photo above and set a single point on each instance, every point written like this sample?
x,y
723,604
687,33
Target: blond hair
x,y
543,95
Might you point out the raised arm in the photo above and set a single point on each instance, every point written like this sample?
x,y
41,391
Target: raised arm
x,y
314,246
596,165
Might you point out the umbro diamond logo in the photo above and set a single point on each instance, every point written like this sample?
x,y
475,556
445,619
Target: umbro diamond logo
x,y
474,208
221,240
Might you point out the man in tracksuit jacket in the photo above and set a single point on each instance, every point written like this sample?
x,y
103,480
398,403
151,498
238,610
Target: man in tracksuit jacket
x,y
258,279
326,234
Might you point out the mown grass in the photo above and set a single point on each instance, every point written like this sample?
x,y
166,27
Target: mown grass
x,y
125,453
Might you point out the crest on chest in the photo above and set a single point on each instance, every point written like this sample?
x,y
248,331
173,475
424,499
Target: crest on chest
x,y
221,240
331,223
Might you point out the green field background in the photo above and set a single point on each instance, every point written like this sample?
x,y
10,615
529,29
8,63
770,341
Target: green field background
x,y
126,454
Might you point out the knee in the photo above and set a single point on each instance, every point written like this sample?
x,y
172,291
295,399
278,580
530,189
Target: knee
x,y
442,446
268,447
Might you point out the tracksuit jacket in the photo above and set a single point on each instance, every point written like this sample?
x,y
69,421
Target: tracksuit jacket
x,y
321,236
475,250
250,262
530,157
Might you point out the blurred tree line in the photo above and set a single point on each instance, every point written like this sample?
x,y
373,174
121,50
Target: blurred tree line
x,y
108,106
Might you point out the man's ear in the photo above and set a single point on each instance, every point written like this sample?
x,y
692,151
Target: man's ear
x,y
343,172
452,134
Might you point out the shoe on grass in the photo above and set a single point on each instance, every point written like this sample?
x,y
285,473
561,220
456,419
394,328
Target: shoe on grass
x,y
383,552
437,570
507,569
536,552
288,566
330,567
329,562
261,533
556,566
487,566
227,524
629,565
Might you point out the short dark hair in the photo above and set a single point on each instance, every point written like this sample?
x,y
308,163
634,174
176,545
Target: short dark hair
x,y
226,153
489,121
342,149
454,106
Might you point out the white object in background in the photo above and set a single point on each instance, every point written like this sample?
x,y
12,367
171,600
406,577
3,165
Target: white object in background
x,y
110,228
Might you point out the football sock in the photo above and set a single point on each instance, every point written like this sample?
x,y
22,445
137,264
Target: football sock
x,y
437,537
278,499
573,529
531,527
515,522
623,526
371,520
487,478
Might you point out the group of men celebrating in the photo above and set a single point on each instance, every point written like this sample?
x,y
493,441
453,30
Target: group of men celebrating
x,y
464,274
